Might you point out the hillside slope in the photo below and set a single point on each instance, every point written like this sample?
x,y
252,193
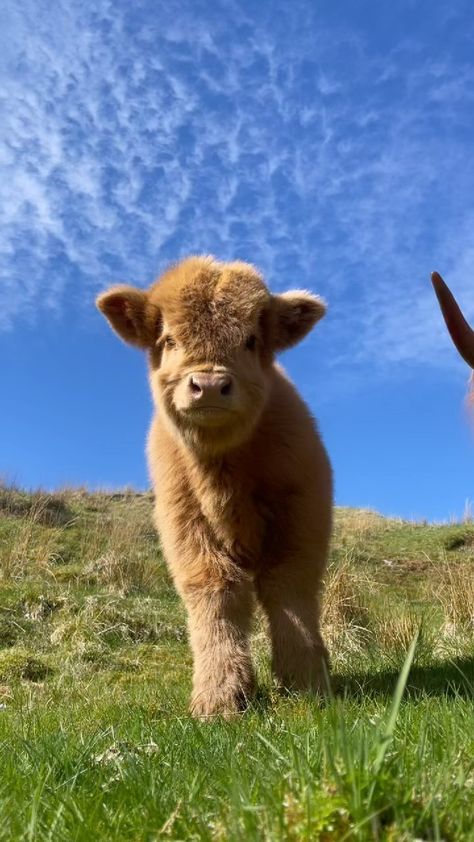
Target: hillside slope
x,y
95,676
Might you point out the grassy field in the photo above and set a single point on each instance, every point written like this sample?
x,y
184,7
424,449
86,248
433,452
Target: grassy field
x,y
95,739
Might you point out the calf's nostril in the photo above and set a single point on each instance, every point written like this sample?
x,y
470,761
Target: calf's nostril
x,y
195,387
226,387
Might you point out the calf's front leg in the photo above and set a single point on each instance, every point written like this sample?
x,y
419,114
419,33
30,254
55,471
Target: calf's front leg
x,y
219,618
289,595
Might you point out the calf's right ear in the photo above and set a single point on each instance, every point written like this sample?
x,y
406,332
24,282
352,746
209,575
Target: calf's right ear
x,y
131,314
294,314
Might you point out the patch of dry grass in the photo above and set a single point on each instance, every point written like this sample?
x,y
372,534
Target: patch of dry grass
x,y
30,545
455,593
109,538
117,555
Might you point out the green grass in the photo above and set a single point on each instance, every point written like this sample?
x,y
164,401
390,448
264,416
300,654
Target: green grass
x,y
95,674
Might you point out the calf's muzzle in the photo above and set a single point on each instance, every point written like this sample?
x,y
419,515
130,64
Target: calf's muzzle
x,y
211,389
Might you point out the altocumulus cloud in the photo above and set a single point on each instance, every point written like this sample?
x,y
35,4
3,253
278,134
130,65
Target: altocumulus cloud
x,y
136,133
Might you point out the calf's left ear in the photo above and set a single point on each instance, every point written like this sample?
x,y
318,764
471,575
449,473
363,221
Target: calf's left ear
x,y
294,314
131,314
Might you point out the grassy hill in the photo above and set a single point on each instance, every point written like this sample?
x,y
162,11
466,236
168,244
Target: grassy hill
x,y
95,671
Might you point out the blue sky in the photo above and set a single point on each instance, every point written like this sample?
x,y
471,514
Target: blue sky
x,y
330,143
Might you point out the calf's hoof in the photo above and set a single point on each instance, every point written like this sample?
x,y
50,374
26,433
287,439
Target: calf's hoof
x,y
209,703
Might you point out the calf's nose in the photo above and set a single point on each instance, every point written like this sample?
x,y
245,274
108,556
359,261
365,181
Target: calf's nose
x,y
213,384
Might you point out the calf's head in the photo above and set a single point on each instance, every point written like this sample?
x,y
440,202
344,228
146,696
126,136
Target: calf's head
x,y
211,331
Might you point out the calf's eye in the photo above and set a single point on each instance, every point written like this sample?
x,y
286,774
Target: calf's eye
x,y
251,343
170,342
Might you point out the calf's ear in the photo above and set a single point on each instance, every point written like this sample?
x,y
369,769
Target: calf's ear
x,y
294,314
131,314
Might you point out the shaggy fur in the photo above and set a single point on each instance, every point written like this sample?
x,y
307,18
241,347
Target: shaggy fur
x,y
242,480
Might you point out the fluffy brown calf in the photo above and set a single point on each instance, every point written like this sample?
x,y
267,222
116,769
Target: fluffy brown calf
x,y
242,480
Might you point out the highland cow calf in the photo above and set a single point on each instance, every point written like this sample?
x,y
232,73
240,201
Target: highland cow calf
x,y
242,480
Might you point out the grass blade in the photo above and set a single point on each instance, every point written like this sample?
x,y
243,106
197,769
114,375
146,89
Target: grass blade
x,y
394,710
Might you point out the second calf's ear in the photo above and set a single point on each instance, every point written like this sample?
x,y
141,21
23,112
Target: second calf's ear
x,y
294,314
130,313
